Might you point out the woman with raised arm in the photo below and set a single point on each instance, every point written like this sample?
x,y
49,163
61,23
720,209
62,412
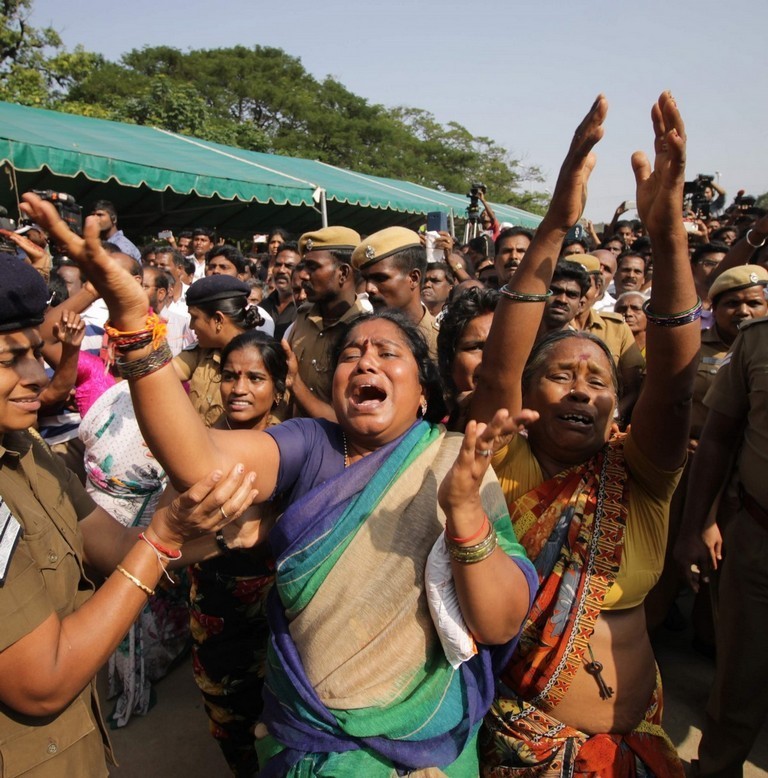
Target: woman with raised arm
x,y
56,630
359,679
581,695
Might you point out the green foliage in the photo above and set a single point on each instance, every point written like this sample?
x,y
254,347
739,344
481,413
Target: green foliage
x,y
259,98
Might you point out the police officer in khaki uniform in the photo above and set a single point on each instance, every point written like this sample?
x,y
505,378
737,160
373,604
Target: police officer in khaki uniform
x,y
219,311
736,426
737,296
326,256
393,262
56,629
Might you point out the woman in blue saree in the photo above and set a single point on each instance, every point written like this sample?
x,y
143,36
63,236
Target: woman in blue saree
x,y
358,681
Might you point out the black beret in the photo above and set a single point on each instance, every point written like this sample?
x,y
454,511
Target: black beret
x,y
23,294
217,287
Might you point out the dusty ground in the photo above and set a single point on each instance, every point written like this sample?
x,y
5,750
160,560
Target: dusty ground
x,y
173,739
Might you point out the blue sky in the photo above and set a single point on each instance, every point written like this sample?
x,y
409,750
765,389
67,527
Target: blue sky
x,y
522,74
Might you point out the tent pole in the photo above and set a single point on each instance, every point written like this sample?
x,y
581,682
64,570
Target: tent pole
x,y
323,208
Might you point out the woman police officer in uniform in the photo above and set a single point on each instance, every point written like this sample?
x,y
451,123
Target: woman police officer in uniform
x,y
56,630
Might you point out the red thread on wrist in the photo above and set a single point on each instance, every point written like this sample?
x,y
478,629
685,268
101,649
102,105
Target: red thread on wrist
x,y
162,549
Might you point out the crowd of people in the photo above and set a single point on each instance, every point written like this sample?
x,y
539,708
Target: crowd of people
x,y
409,517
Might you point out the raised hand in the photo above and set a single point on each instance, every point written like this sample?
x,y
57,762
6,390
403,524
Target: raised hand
x,y
32,250
570,195
660,188
460,490
126,300
70,329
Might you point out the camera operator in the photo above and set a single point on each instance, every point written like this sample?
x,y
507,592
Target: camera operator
x,y
716,203
707,197
488,220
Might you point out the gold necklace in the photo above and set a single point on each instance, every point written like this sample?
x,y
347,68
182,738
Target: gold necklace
x,y
346,450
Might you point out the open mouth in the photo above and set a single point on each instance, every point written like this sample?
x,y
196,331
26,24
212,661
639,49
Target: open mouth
x,y
367,396
578,419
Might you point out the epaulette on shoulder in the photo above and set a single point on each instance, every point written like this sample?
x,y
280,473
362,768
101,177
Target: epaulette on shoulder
x,y
611,316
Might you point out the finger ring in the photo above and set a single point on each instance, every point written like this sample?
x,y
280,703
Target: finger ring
x,y
223,513
484,452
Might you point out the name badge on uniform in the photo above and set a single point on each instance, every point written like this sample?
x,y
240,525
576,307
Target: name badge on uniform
x,y
10,532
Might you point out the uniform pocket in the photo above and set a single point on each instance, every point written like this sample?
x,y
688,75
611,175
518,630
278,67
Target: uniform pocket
x,y
58,565
34,745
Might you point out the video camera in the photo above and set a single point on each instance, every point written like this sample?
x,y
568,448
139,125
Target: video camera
x,y
6,245
694,197
66,205
473,210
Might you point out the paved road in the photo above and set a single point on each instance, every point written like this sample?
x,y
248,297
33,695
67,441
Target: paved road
x,y
173,739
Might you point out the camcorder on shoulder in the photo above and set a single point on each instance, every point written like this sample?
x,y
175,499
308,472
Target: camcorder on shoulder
x,y
694,196
67,207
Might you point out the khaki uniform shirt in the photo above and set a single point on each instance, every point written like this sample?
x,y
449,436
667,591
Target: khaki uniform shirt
x,y
43,575
429,329
202,368
740,391
711,356
615,333
314,345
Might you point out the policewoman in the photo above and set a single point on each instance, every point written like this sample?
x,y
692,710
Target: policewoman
x,y
56,630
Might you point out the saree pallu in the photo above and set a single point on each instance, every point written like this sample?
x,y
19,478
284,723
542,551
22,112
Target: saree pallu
x,y
572,527
546,747
357,682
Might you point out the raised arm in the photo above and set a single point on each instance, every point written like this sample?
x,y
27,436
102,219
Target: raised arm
x,y
493,593
174,432
516,323
661,419
742,251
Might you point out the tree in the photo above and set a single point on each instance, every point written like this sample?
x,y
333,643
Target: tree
x,y
259,98
23,52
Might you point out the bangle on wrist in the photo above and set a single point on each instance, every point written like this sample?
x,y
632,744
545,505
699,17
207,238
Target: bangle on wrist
x,y
524,297
673,319
754,245
469,538
135,581
470,555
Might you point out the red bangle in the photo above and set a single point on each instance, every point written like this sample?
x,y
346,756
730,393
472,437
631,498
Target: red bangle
x,y
161,549
470,537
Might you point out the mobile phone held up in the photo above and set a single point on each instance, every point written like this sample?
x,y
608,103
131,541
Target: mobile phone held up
x,y
437,221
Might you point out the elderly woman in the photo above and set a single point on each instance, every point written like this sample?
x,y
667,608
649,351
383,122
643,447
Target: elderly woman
x,y
56,630
358,680
630,306
581,695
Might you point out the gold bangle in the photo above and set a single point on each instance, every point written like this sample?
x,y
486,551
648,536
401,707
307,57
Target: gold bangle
x,y
134,580
470,555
